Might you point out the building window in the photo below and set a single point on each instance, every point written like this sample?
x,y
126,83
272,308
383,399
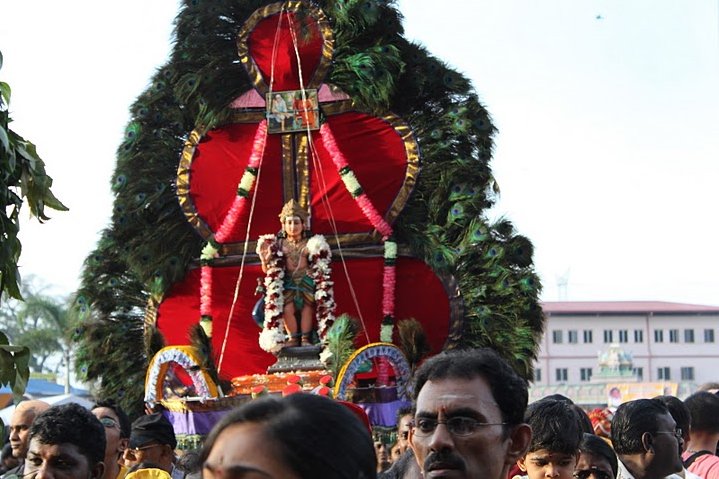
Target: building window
x,y
537,375
588,336
638,335
658,335
608,336
639,373
708,335
688,335
623,336
557,336
572,336
585,374
673,335
561,374
687,373
663,374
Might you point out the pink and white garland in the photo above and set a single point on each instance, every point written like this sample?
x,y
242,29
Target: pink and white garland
x,y
379,223
273,336
388,288
212,248
320,257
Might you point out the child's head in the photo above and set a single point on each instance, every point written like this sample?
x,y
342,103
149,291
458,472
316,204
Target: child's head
x,y
555,439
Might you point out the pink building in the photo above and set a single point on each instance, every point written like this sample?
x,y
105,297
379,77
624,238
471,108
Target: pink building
x,y
666,342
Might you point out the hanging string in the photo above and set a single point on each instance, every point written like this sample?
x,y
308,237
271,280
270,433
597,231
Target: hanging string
x,y
323,184
253,202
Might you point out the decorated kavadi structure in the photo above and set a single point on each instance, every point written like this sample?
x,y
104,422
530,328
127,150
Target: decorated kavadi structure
x,y
299,205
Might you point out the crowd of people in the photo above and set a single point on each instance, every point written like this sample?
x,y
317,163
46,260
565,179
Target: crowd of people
x,y
470,418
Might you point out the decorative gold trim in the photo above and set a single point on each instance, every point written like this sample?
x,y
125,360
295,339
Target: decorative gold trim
x,y
273,9
302,175
248,116
288,169
338,107
412,149
183,185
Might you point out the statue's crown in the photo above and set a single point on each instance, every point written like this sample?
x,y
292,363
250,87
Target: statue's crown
x,y
292,208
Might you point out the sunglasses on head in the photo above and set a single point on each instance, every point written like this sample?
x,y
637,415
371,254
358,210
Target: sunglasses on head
x,y
594,472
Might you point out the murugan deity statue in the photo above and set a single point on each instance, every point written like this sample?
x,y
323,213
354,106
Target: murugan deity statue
x,y
297,285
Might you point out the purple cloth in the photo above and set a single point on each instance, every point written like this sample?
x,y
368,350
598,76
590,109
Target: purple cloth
x,y
383,414
189,422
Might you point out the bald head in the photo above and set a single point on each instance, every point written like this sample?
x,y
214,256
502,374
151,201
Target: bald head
x,y
20,422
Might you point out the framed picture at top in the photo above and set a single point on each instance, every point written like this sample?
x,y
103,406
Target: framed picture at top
x,y
291,111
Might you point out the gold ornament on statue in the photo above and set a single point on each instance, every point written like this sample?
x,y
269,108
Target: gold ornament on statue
x,y
293,209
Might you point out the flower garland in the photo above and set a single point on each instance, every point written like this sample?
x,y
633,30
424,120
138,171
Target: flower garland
x,y
272,336
320,257
352,184
214,243
389,276
389,279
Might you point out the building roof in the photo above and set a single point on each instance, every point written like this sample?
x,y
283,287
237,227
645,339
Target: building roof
x,y
38,388
619,307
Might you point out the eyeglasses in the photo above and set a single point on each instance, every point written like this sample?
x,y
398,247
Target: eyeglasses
x,y
592,472
457,426
109,422
677,433
134,450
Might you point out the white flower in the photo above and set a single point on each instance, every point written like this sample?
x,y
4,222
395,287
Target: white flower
x,y
262,240
325,356
385,334
209,252
390,249
351,182
271,340
248,179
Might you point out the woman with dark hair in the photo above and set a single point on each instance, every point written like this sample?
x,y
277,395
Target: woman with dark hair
x,y
300,436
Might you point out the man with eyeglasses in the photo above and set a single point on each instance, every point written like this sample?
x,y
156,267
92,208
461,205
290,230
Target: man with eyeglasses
x,y
646,440
469,420
117,436
152,440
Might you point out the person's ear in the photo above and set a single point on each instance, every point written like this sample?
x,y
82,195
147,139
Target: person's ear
x,y
97,471
168,451
123,444
521,465
648,442
518,443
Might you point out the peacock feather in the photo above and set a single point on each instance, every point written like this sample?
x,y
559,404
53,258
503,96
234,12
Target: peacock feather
x,y
149,245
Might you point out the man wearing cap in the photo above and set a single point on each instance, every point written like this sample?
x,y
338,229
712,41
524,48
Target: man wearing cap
x,y
152,440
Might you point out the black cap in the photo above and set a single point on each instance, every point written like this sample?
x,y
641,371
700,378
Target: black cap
x,y
152,428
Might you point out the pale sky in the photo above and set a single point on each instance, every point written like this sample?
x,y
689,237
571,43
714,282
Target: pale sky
x,y
608,115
